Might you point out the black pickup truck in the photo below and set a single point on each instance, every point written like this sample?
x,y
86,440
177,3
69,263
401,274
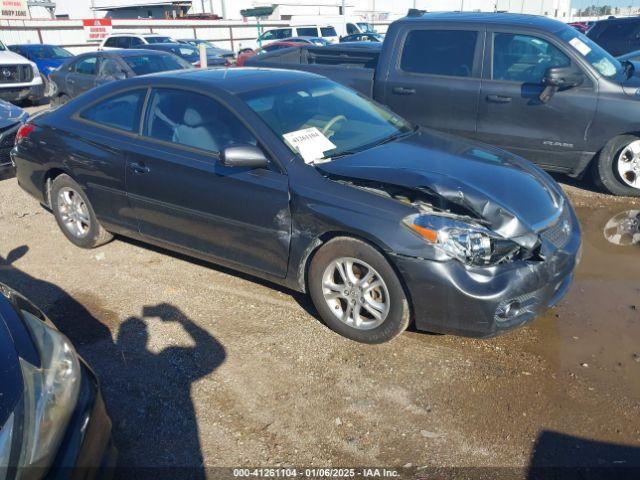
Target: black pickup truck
x,y
528,84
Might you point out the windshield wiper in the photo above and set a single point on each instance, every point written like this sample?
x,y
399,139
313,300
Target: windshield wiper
x,y
389,139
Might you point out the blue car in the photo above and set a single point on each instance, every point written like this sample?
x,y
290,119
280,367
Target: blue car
x,y
46,57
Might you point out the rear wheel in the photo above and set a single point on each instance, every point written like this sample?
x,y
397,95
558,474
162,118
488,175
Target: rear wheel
x,y
75,215
356,291
617,168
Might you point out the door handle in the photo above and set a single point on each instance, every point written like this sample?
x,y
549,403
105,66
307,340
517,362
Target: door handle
x,y
404,91
498,99
139,168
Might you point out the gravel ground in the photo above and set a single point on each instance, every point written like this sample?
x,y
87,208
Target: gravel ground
x,y
203,367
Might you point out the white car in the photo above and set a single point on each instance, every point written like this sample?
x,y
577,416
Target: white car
x,y
328,32
133,40
19,78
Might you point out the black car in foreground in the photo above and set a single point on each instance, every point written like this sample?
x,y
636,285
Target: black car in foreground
x,y
52,417
299,180
89,70
11,118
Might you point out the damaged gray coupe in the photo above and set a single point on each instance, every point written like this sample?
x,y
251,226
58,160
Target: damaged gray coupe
x,y
298,180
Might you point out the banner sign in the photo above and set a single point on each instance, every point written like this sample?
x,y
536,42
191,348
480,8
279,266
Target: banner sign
x,y
14,10
96,29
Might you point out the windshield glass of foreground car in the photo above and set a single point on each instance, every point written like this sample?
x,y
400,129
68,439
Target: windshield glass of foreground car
x,y
145,64
345,119
601,60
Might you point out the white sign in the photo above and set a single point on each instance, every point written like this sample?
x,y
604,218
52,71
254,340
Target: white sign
x,y
96,29
310,143
579,45
14,10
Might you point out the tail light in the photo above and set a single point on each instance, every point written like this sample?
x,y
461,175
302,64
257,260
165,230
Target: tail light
x,y
24,131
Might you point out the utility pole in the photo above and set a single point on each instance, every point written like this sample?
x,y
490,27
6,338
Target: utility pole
x,y
223,8
344,18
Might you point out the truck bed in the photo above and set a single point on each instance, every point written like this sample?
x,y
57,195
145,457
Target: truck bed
x,y
350,66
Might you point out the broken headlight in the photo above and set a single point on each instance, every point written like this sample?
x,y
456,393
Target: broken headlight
x,y
469,243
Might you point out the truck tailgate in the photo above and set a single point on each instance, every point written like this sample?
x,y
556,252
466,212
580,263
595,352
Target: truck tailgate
x,y
354,68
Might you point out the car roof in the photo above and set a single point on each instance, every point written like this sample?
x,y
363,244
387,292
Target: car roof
x,y
29,45
619,20
131,52
232,80
488,18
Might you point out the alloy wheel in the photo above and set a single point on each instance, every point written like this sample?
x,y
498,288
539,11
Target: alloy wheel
x,y
628,164
356,293
73,212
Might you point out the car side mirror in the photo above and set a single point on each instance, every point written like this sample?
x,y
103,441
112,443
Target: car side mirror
x,y
563,77
560,78
246,156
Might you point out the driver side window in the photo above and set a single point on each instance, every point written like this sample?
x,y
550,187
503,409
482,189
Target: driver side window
x,y
523,58
193,120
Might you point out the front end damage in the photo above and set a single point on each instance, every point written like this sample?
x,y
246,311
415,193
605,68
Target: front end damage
x,y
500,272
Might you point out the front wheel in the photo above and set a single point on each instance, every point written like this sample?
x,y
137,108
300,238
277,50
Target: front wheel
x,y
356,291
75,215
617,168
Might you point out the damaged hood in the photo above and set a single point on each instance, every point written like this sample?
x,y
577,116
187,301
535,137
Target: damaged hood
x,y
516,198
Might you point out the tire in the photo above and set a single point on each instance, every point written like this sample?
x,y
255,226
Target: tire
x,y
334,307
606,173
75,215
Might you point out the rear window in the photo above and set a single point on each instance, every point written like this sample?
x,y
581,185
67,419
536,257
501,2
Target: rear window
x,y
618,30
121,111
145,64
439,52
307,31
328,32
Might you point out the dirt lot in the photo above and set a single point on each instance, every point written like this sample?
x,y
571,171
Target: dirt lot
x,y
202,367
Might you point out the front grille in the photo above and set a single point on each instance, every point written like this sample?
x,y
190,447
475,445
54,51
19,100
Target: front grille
x,y
7,139
559,233
16,73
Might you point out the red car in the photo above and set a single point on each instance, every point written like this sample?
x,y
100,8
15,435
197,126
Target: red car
x,y
581,27
267,48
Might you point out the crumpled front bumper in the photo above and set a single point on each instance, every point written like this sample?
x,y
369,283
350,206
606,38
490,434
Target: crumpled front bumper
x,y
448,297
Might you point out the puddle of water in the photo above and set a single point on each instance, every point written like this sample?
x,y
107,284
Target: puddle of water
x,y
595,331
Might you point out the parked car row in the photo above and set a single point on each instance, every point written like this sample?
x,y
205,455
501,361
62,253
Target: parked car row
x,y
531,85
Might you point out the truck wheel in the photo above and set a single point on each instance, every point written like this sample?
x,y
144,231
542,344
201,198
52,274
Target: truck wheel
x,y
356,292
617,168
75,215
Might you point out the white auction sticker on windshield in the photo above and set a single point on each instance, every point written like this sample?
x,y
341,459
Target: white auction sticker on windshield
x,y
310,143
579,45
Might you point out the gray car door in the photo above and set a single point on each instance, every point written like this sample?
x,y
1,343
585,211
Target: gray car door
x,y
435,81
182,195
512,115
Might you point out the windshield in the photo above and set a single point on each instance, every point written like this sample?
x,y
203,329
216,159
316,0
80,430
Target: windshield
x,y
49,51
144,64
2,47
599,58
349,121
365,27
158,39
